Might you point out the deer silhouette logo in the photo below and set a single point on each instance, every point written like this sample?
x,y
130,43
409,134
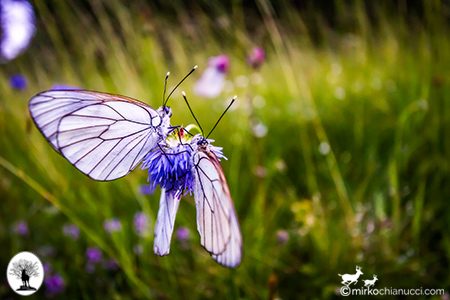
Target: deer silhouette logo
x,y
25,273
25,278
348,279
369,283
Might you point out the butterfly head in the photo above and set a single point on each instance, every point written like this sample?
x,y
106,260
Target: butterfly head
x,y
165,111
203,144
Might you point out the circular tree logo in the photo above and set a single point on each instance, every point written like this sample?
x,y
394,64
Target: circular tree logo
x,y
25,273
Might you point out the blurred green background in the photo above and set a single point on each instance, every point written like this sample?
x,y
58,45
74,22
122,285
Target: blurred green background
x,y
338,147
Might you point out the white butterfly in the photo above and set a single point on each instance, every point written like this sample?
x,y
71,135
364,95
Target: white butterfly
x,y
105,136
217,221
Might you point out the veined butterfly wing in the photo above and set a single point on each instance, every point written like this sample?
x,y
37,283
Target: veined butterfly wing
x,y
105,136
168,207
217,221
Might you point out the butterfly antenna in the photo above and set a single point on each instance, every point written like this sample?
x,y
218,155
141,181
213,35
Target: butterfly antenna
x,y
165,87
185,99
232,101
193,69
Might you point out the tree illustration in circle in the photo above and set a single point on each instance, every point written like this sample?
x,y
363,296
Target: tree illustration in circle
x,y
24,269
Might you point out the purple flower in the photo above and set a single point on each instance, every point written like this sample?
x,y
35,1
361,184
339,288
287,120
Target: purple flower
x,y
18,82
90,267
17,27
93,255
47,251
47,268
282,237
212,81
71,230
112,225
59,87
256,57
141,224
182,233
221,63
171,165
147,189
54,285
110,264
21,228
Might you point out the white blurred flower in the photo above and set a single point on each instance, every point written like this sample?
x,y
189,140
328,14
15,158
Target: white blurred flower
x,y
212,81
17,27
324,148
259,129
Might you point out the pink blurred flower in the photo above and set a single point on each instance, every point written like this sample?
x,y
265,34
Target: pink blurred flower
x,y
182,233
212,81
256,57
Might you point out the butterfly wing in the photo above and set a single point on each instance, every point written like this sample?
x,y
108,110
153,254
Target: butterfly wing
x,y
217,221
104,136
168,207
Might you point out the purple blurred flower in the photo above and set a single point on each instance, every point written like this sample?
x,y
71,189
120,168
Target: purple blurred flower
x,y
147,189
54,285
110,264
141,224
256,57
182,233
59,87
212,81
90,267
47,251
94,254
47,268
21,228
18,82
112,225
17,27
282,237
71,230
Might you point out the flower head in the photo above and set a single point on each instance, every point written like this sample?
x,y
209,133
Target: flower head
x,y
141,224
54,285
71,230
18,82
282,237
212,81
171,166
93,254
112,225
182,233
256,57
21,228
220,63
110,264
